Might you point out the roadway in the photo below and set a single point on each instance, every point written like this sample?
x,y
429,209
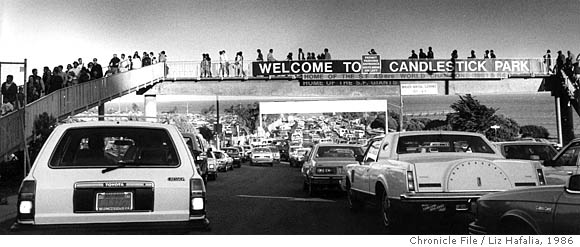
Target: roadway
x,y
270,200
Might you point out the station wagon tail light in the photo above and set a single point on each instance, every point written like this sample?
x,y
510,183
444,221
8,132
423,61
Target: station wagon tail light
x,y
197,197
26,205
541,177
410,181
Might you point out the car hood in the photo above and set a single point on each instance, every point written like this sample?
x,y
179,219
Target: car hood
x,y
536,194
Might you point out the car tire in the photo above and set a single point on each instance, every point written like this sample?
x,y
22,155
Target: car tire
x,y
387,211
354,204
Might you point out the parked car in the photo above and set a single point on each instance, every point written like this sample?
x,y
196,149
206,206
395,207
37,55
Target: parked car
x,y
325,166
262,155
78,182
223,161
275,153
433,171
234,153
212,165
297,158
539,210
527,150
197,151
563,165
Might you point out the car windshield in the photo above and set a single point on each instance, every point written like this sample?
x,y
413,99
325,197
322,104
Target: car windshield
x,y
302,152
261,150
110,146
525,152
338,152
442,144
218,155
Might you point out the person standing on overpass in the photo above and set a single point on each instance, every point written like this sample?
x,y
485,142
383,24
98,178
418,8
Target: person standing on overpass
x,y
270,56
327,54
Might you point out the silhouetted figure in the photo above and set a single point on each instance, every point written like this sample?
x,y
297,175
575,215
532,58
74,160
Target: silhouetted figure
x,y
301,54
472,56
289,56
548,61
260,57
413,55
486,55
560,60
372,52
430,54
491,54
422,54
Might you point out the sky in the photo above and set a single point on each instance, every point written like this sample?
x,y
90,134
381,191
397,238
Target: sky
x,y
54,32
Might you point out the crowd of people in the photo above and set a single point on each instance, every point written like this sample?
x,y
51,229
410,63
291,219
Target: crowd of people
x,y
489,54
563,64
75,73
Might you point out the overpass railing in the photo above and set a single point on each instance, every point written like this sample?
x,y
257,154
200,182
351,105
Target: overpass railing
x,y
388,69
72,100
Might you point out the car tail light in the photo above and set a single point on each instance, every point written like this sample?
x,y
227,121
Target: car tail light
x,y
26,205
541,177
410,181
197,197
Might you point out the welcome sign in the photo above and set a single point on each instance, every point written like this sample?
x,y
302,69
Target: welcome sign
x,y
410,68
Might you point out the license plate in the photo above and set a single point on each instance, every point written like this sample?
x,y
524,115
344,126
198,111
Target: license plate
x,y
433,207
113,202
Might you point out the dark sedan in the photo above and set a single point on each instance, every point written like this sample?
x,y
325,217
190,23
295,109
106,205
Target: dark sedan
x,y
537,210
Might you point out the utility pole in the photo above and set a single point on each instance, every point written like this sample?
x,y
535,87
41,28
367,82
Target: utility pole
x,y
218,127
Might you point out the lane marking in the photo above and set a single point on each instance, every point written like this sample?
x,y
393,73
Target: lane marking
x,y
296,199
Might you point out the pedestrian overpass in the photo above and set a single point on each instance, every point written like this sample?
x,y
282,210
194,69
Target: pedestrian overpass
x,y
369,77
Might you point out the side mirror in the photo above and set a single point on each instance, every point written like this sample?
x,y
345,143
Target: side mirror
x,y
574,183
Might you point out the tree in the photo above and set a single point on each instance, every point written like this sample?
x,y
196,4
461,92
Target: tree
x,y
209,111
43,126
472,116
534,131
206,132
248,116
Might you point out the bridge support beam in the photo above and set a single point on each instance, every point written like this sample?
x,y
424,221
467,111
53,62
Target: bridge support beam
x,y
101,112
565,125
151,107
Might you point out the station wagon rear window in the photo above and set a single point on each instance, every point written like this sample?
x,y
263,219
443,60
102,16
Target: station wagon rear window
x,y
114,146
338,152
442,144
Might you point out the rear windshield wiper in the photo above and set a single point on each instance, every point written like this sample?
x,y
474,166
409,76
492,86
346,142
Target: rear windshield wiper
x,y
119,164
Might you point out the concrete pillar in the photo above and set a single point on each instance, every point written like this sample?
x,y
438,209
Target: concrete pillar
x,y
566,117
101,112
151,107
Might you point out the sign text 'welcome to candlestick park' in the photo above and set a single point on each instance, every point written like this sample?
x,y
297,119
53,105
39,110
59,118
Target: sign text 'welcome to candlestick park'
x,y
432,67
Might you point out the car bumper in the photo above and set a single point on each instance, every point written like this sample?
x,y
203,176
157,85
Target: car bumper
x,y
199,223
430,197
333,181
258,161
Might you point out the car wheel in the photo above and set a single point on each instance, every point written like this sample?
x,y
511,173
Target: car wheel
x,y
387,211
353,203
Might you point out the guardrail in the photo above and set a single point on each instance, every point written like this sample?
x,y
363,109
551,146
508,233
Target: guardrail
x,y
193,70
72,100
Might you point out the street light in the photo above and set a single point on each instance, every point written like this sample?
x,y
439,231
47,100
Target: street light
x,y
495,127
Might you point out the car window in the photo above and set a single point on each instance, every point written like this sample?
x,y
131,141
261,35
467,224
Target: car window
x,y
338,152
261,150
102,147
372,154
526,151
442,143
569,156
218,155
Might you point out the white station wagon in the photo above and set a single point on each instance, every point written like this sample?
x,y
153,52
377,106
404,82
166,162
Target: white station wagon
x,y
433,171
106,175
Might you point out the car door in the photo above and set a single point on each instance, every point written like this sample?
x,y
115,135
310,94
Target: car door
x,y
567,214
360,176
565,164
